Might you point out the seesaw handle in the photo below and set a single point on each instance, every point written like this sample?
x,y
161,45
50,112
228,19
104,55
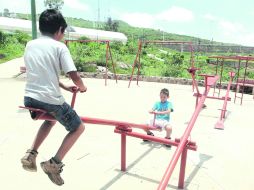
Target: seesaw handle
x,y
74,91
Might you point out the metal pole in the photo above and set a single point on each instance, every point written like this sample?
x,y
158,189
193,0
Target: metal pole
x,y
220,124
33,16
113,64
216,71
244,79
123,152
221,71
135,61
182,169
106,74
237,78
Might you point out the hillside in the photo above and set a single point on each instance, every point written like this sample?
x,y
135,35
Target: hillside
x,y
133,33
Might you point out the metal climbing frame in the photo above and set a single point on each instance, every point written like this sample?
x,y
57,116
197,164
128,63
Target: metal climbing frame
x,y
108,54
140,45
243,81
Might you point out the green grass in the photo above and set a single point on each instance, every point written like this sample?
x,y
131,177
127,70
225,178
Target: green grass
x,y
11,51
87,56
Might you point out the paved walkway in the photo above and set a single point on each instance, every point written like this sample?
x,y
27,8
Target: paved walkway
x,y
11,68
223,161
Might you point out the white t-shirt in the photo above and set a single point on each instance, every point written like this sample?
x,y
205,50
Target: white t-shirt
x,y
45,58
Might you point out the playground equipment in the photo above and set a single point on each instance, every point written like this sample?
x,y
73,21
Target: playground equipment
x,y
240,80
108,54
125,129
137,61
226,98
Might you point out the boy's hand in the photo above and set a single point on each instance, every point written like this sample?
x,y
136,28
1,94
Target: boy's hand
x,y
83,90
153,112
71,88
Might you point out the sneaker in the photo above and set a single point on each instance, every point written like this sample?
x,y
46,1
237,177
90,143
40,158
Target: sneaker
x,y
168,145
29,160
53,170
148,133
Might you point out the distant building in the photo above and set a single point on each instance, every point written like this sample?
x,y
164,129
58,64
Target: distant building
x,y
11,25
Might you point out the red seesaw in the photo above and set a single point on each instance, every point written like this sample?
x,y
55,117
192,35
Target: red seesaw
x,y
125,129
226,98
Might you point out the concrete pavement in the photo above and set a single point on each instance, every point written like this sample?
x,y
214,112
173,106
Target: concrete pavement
x,y
223,161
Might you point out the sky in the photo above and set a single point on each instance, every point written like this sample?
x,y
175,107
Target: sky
x,y
218,20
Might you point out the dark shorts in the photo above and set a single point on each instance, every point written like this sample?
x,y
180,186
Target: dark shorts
x,y
62,113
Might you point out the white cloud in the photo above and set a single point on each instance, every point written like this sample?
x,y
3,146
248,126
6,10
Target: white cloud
x,y
210,17
138,19
76,4
230,28
21,6
247,39
176,14
234,32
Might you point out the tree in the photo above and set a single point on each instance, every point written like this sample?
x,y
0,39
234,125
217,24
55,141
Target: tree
x,y
54,4
111,25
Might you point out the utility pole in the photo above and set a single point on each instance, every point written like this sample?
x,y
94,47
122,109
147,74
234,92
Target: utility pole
x,y
98,18
33,17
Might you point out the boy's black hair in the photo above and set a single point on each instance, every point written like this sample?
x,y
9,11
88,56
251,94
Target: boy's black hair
x,y
165,91
50,21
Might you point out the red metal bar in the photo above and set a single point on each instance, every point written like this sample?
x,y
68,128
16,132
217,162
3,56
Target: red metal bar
x,y
249,58
221,71
135,61
237,77
154,118
74,97
114,123
212,97
244,78
139,65
192,71
216,72
166,42
113,64
163,184
182,169
220,123
191,145
106,77
123,152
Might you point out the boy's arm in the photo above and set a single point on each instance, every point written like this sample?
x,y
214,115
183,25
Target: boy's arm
x,y
152,111
74,75
163,112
